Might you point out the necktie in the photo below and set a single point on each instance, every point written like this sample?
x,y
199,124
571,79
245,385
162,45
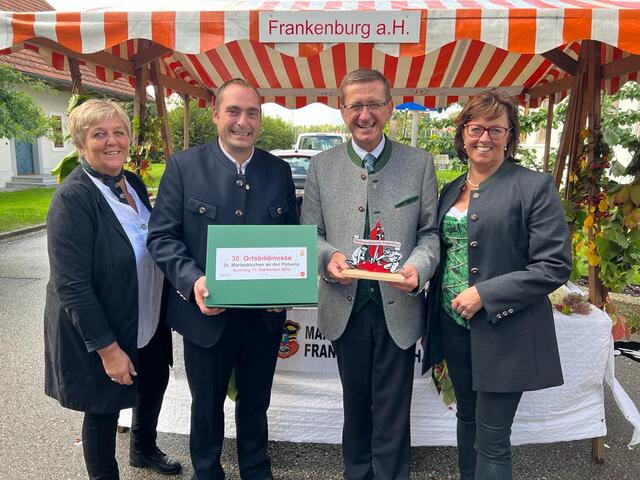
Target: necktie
x,y
369,162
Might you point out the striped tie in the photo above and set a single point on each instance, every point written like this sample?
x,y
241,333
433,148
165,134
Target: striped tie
x,y
369,162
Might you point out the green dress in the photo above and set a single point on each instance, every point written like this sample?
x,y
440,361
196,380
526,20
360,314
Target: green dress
x,y
456,263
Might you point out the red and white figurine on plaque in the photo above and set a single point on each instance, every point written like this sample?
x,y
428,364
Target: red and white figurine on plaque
x,y
375,258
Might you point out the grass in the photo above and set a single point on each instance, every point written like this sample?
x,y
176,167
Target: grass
x,y
24,208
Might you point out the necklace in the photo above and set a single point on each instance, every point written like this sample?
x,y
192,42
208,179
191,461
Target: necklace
x,y
471,183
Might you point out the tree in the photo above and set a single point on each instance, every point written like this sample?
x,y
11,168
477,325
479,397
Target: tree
x,y
201,127
20,117
275,133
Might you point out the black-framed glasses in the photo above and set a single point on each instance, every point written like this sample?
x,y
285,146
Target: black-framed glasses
x,y
495,133
358,107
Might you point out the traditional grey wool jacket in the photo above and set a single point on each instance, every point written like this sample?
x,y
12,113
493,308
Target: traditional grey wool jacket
x,y
403,196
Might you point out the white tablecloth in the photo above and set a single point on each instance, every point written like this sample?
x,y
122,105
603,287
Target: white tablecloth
x,y
306,401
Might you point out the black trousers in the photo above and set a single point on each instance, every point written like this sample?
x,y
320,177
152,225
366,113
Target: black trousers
x,y
248,349
484,418
99,430
377,382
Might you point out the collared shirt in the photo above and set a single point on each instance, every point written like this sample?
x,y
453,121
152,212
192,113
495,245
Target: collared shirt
x,y
375,152
150,277
241,167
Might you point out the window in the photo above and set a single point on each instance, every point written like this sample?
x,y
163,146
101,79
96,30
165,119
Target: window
x,y
58,136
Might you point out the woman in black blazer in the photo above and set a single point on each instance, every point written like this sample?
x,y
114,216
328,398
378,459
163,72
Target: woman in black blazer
x,y
105,346
505,246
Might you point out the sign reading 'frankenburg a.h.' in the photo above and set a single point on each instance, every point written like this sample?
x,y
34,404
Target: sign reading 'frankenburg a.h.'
x,y
340,26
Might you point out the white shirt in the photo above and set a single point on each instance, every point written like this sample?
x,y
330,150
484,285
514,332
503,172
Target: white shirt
x,y
375,152
150,277
241,168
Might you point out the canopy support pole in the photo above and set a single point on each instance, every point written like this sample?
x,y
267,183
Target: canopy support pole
x,y
76,76
185,127
414,128
597,292
140,103
547,133
162,107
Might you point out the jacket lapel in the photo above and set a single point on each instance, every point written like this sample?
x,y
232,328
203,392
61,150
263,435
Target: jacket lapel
x,y
103,206
449,197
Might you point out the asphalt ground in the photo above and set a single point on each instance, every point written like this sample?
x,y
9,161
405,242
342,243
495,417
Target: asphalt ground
x,y
38,437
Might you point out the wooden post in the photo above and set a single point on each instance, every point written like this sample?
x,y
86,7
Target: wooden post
x,y
140,103
185,128
76,76
161,106
597,292
547,133
597,449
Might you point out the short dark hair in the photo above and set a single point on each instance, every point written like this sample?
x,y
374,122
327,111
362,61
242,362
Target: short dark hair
x,y
490,104
364,75
234,81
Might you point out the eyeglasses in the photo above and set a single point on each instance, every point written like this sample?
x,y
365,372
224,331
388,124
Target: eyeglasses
x,y
358,107
495,133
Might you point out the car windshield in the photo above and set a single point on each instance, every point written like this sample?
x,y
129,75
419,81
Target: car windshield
x,y
320,143
299,165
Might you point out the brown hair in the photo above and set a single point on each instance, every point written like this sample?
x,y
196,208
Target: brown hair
x,y
364,75
490,104
91,112
234,81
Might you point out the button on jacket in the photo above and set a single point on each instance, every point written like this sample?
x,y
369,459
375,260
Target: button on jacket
x,y
521,252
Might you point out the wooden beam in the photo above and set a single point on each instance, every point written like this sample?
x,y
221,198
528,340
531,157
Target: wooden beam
x,y
621,67
183,87
185,127
76,76
99,58
148,55
561,60
597,449
161,106
550,88
547,133
121,65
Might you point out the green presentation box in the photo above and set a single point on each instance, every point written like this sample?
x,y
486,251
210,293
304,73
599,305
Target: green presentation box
x,y
262,266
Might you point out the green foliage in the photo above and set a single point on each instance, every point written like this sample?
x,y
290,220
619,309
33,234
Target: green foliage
x,y
20,117
275,133
446,176
24,207
201,127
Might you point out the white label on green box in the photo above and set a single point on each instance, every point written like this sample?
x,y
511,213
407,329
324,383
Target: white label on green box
x,y
261,263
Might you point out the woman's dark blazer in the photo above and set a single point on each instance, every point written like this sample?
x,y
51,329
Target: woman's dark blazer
x,y
518,252
92,297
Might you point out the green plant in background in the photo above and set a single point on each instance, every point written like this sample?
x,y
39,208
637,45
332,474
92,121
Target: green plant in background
x,y
20,117
149,147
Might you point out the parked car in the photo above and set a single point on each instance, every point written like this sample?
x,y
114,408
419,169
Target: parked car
x,y
299,162
318,141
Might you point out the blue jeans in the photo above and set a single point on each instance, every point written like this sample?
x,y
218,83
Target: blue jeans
x,y
484,418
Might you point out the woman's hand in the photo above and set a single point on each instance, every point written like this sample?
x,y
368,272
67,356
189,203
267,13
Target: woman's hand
x,y
117,364
467,303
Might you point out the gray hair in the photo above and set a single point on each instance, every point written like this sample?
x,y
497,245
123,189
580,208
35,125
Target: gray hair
x,y
364,75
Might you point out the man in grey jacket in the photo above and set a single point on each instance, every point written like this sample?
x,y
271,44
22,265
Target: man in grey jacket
x,y
373,325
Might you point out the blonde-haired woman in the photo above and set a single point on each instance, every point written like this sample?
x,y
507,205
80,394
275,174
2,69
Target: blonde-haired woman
x,y
106,347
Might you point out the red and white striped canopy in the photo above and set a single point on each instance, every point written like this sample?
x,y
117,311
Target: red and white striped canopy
x,y
464,46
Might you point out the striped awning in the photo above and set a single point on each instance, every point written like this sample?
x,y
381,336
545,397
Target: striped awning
x,y
461,47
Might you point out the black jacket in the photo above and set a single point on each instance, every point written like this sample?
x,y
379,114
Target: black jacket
x,y
518,252
92,297
201,187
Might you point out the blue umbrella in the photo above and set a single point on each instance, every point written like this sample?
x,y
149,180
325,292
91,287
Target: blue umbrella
x,y
411,106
